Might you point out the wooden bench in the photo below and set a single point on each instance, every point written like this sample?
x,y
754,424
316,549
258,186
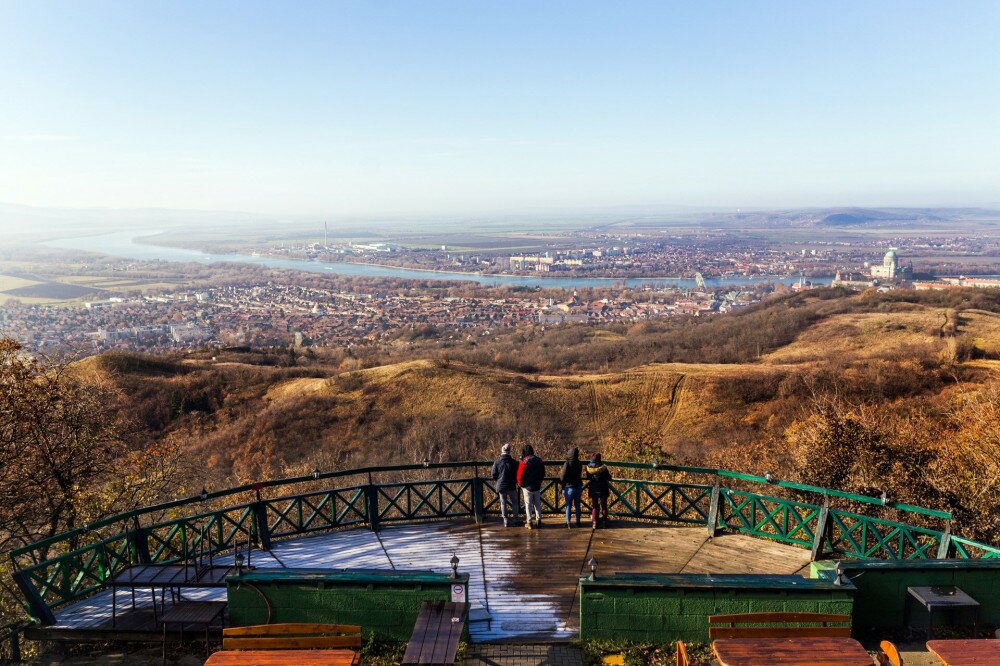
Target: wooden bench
x,y
436,634
813,625
296,644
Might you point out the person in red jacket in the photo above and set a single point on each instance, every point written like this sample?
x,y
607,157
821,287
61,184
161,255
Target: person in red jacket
x,y
530,475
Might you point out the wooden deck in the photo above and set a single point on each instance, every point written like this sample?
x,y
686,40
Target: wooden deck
x,y
525,580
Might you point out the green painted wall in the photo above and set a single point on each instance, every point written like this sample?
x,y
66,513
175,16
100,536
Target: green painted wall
x,y
881,594
665,608
386,603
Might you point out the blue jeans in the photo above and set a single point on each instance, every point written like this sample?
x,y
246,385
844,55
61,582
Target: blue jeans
x,y
572,495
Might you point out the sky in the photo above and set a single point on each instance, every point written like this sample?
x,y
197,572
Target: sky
x,y
428,107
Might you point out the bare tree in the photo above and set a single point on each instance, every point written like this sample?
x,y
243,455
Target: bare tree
x,y
68,452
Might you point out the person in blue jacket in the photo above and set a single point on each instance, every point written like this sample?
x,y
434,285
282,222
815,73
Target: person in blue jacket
x,y
572,482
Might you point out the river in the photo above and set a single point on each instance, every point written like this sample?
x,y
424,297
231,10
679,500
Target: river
x,y
130,245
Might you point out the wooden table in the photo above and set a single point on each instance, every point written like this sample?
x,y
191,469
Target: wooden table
x,y
283,658
164,577
202,613
967,652
803,651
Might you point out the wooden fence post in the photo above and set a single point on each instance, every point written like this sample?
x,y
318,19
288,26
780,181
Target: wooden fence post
x,y
477,499
945,546
713,508
822,527
371,506
139,542
261,530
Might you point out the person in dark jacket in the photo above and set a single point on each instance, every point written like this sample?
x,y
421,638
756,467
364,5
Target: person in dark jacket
x,y
598,488
530,475
572,481
504,473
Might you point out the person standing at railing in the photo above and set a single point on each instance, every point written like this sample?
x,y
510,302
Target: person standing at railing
x,y
572,481
598,488
504,473
530,475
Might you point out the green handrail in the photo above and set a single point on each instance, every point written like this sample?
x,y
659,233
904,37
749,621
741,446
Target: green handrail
x,y
723,473
72,575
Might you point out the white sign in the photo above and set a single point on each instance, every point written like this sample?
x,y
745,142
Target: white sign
x,y
458,593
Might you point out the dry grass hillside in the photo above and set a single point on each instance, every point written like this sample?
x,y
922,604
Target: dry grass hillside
x,y
239,417
874,381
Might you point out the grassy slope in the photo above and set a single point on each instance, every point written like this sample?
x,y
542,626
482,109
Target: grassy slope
x,y
242,420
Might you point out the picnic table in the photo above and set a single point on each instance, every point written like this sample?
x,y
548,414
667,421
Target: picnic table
x,y
164,577
966,652
799,651
283,658
202,613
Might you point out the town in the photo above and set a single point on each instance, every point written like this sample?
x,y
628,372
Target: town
x,y
718,255
274,314
259,308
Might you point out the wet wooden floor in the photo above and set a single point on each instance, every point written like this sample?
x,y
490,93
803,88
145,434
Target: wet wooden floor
x,y
524,581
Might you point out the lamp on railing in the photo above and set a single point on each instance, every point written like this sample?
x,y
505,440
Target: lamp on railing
x,y
427,463
454,566
885,498
656,463
593,568
768,477
316,473
204,493
239,563
85,528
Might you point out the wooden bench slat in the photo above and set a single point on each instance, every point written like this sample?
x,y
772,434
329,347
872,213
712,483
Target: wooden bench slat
x,y
291,642
435,635
779,632
291,628
416,644
449,646
285,658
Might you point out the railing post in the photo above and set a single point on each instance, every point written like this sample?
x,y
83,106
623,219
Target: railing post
x,y
477,499
139,542
371,506
822,527
39,609
713,508
260,528
944,547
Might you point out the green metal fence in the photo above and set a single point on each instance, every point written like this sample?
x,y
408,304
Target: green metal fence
x,y
49,582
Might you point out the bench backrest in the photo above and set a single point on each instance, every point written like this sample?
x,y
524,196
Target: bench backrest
x,y
297,636
762,625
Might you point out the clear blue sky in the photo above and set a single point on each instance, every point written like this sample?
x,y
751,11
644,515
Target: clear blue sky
x,y
425,106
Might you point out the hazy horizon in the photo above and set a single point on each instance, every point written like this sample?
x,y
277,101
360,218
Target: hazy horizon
x,y
436,108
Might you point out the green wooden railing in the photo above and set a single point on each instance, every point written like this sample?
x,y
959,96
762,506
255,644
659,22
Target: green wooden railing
x,y
51,574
